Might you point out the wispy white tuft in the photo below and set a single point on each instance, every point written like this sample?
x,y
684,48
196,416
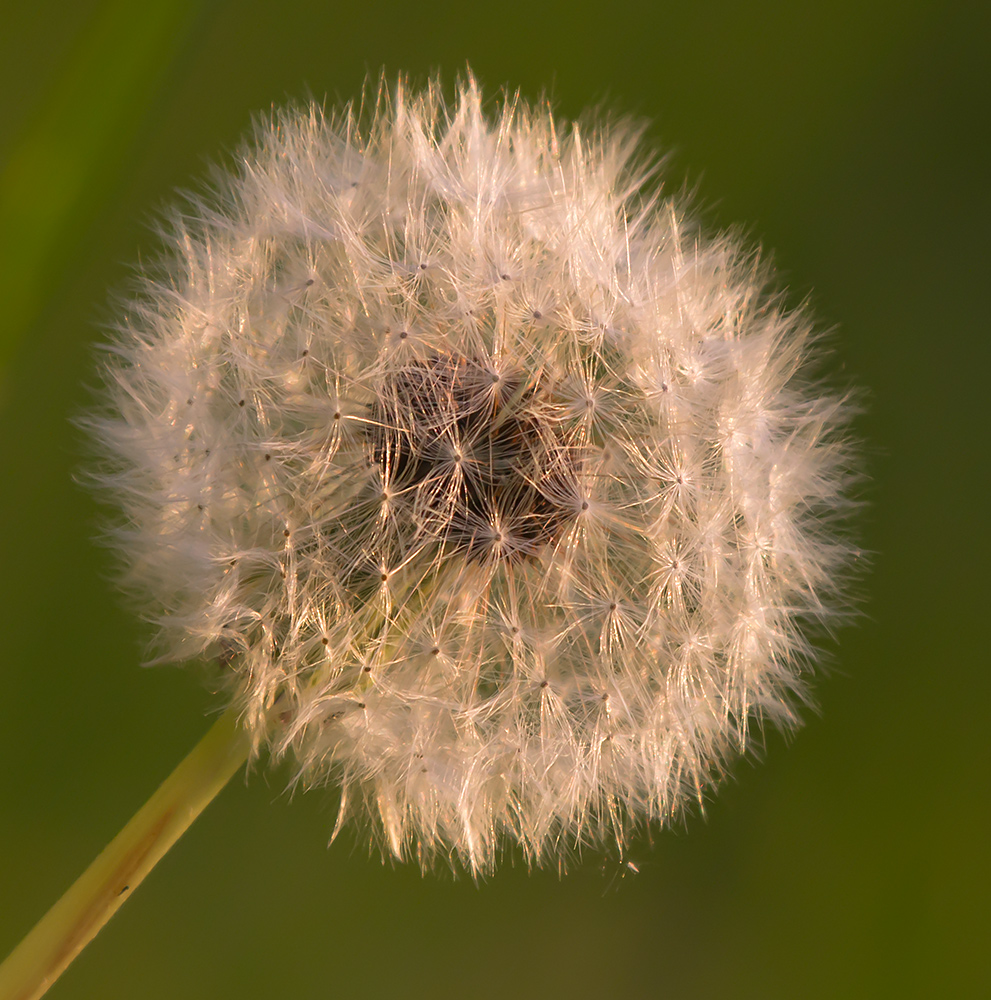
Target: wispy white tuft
x,y
496,492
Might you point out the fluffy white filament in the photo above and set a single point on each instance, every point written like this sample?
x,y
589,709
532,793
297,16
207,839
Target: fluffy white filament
x,y
494,489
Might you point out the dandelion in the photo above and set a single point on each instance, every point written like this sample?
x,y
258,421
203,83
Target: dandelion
x,y
498,494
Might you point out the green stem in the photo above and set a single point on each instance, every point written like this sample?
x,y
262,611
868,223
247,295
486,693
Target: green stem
x,y
95,896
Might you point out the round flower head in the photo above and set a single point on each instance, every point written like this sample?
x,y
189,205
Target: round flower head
x,y
494,490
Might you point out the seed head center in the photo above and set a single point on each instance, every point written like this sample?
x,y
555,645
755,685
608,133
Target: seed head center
x,y
473,457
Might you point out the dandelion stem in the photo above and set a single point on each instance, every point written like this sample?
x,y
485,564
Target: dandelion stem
x,y
96,895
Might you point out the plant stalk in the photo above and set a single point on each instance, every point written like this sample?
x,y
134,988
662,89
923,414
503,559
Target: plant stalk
x,y
97,894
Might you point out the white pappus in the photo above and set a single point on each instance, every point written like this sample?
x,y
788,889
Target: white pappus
x,y
495,489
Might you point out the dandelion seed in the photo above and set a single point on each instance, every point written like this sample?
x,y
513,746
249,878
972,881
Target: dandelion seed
x,y
494,489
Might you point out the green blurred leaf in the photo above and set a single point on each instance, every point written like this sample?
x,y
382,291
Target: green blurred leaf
x,y
65,161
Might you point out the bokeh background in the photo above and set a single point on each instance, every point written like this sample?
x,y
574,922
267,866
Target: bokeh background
x,y
851,137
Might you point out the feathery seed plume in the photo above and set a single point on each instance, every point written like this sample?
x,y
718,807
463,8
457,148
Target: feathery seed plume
x,y
495,489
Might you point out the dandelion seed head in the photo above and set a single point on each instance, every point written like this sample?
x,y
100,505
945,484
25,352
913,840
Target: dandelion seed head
x,y
497,493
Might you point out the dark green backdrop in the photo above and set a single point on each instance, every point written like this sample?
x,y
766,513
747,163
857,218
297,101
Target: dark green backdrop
x,y
849,137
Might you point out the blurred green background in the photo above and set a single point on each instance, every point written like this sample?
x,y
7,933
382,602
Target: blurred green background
x,y
851,138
